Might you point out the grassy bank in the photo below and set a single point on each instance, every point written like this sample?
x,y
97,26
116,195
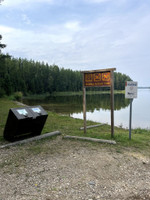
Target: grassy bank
x,y
69,126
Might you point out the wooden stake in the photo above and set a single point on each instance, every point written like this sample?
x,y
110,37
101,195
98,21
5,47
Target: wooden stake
x,y
112,103
84,108
90,139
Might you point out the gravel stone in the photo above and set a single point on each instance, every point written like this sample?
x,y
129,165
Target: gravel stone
x,y
57,169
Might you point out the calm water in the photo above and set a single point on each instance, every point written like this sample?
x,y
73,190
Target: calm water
x,y
98,108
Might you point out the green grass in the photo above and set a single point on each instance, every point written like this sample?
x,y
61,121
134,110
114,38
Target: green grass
x,y
69,126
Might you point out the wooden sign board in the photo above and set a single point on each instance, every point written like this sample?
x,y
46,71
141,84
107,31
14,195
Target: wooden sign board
x,y
97,79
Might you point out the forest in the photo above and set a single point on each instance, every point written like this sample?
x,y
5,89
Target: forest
x,y
32,77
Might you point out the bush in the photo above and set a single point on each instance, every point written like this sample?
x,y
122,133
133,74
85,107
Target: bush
x,y
18,96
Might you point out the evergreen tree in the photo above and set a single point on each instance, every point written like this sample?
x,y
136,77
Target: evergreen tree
x,y
2,68
1,45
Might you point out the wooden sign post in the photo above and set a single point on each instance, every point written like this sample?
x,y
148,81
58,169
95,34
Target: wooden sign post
x,y
99,78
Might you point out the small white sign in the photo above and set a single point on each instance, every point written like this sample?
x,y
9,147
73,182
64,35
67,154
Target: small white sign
x,y
22,112
37,110
131,89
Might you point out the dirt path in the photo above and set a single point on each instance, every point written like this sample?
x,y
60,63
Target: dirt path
x,y
72,170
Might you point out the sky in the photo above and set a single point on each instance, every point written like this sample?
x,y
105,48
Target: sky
x,y
80,34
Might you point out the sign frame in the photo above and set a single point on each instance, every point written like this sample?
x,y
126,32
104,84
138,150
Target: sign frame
x,y
99,78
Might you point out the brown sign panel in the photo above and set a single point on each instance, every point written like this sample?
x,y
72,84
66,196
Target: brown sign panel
x,y
99,79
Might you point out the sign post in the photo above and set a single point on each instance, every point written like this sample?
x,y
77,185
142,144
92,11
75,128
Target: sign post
x,y
99,78
130,119
84,107
130,93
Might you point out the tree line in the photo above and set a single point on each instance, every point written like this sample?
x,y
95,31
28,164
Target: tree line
x,y
30,77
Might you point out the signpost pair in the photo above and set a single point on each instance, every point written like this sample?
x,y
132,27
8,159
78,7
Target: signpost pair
x,y
99,78
105,78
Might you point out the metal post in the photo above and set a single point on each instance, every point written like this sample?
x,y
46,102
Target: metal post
x,y
130,120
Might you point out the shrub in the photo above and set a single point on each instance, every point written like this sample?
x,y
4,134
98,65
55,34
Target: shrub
x,y
18,96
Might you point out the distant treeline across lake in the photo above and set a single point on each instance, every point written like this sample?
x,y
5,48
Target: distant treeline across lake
x,y
30,77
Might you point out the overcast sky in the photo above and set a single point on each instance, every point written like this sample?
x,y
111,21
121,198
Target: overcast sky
x,y
80,34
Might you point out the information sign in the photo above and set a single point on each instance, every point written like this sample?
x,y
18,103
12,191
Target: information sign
x,y
131,89
100,79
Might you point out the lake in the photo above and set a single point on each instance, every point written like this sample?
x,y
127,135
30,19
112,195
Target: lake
x,y
98,108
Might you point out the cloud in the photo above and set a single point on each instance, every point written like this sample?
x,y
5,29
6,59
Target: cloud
x,y
18,3
72,25
1,1
114,39
116,2
26,19
105,41
97,1
38,45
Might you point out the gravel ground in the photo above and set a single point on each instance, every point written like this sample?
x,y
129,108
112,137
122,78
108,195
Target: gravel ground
x,y
58,169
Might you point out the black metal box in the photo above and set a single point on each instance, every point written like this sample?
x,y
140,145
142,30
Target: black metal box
x,y
39,119
24,122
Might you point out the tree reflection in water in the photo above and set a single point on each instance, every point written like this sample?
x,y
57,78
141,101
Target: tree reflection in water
x,y
74,104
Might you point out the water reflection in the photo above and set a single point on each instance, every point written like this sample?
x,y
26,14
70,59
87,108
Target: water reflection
x,y
74,104
140,112
102,101
98,108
